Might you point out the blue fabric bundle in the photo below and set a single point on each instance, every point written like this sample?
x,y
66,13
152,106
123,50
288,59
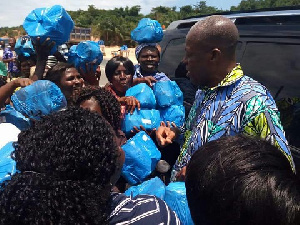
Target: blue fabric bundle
x,y
144,94
10,115
100,42
124,47
141,157
7,164
167,93
85,52
147,31
176,199
38,99
149,119
24,46
153,186
53,22
174,113
169,100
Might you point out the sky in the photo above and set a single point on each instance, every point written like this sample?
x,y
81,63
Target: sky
x,y
13,12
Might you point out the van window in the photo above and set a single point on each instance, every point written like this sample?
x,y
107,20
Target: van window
x,y
172,56
276,66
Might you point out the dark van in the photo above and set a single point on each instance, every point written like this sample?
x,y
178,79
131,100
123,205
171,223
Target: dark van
x,y
269,52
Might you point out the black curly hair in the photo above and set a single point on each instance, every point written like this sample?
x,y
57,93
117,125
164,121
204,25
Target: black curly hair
x,y
110,106
74,144
34,198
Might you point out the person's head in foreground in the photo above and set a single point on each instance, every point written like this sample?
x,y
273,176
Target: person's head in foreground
x,y
75,149
242,180
119,72
65,76
36,198
210,50
101,101
148,56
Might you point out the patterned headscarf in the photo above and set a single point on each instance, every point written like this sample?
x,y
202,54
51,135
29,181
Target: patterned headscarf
x,y
139,48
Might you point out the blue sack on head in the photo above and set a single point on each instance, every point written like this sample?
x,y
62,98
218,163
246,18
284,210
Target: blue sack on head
x,y
85,52
39,99
144,94
154,186
147,31
10,115
167,93
176,199
141,157
53,22
7,164
174,113
24,46
149,119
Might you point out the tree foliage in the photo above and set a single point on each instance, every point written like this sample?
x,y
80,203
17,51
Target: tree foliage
x,y
114,26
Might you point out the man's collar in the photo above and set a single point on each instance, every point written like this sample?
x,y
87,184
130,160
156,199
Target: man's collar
x,y
235,74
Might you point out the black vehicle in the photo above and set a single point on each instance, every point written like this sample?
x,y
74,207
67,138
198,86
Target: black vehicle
x,y
269,52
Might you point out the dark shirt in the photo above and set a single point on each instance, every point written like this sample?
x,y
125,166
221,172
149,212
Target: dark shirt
x,y
141,209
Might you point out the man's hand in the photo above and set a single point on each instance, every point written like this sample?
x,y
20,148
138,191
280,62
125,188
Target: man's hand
x,y
130,102
181,175
148,80
166,134
136,130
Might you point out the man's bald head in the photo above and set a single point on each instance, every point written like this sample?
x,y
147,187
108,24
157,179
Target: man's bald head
x,y
215,32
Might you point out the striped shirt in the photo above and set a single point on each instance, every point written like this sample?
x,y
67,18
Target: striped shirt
x,y
141,209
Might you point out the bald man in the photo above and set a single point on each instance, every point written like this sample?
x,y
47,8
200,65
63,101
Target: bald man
x,y
227,101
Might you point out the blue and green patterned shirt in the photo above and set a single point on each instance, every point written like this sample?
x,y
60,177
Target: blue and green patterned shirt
x,y
238,104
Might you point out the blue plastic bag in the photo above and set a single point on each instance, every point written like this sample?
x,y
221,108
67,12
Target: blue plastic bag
x,y
176,199
24,46
7,164
38,99
85,52
167,93
154,186
174,113
147,31
10,115
124,47
144,94
53,22
141,157
149,119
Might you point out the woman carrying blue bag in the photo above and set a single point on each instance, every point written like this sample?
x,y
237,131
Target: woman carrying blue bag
x,y
147,34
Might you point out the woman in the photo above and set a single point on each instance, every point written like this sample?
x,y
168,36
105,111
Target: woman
x,y
67,78
148,57
76,149
119,72
102,102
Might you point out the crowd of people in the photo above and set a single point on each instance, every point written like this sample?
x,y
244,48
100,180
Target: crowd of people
x,y
61,140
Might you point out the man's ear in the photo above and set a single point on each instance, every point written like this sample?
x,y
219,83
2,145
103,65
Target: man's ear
x,y
215,54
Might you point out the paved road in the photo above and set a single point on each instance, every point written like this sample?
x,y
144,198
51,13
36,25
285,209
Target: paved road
x,y
103,79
